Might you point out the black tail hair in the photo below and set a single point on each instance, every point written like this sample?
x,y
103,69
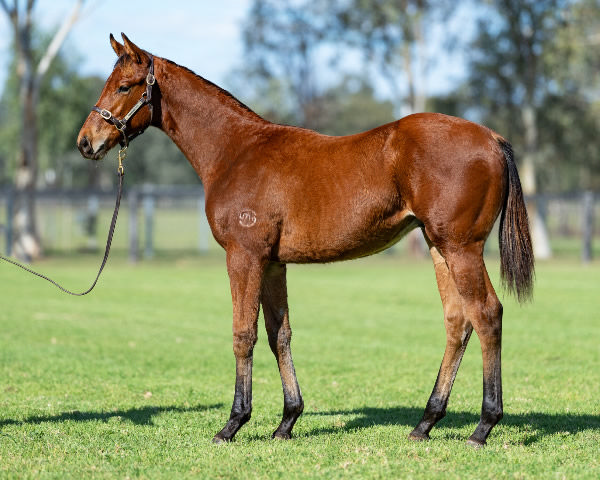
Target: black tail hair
x,y
516,251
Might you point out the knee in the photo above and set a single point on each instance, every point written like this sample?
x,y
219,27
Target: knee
x,y
243,343
284,337
453,316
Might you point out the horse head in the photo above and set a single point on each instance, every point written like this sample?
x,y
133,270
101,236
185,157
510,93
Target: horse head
x,y
118,115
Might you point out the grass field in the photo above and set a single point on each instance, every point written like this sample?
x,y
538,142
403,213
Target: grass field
x,y
135,379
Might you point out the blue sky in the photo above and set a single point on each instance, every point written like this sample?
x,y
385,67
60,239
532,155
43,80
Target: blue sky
x,y
202,35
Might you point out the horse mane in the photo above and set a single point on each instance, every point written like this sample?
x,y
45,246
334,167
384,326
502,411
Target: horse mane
x,y
121,61
221,90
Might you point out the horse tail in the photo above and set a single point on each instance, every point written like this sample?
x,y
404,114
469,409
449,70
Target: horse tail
x,y
516,251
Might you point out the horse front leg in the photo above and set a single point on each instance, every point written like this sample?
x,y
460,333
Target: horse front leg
x,y
245,275
277,323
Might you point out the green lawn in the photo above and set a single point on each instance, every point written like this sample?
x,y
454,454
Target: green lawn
x,y
136,378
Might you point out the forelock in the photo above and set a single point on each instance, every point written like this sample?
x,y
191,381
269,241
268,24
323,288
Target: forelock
x,y
121,61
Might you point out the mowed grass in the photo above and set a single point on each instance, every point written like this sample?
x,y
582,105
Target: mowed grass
x,y
136,378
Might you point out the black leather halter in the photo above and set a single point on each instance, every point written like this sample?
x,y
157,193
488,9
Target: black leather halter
x,y
146,99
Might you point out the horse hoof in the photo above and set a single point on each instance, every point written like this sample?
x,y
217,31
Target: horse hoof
x,y
281,436
476,444
219,440
418,437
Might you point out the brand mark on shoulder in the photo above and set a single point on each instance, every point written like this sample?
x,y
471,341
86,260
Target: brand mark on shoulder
x,y
247,218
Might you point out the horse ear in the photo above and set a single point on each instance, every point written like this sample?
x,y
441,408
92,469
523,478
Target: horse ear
x,y
116,46
135,52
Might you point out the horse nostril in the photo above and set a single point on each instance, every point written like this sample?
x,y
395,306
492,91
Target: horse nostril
x,y
84,145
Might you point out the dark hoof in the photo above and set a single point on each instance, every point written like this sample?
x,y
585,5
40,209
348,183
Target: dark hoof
x,y
418,436
219,440
472,442
281,436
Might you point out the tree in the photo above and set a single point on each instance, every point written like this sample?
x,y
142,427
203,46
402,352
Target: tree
x,y
566,94
281,39
288,54
571,113
294,39
391,36
351,107
512,78
30,73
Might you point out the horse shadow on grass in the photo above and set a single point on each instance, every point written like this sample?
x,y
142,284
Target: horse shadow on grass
x,y
136,415
531,426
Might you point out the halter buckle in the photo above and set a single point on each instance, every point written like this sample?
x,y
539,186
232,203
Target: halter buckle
x,y
150,79
105,114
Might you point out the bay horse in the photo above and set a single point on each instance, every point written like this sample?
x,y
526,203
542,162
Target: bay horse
x,y
280,194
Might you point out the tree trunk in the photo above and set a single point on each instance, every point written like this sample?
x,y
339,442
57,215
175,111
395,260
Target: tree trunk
x,y
539,233
413,58
26,243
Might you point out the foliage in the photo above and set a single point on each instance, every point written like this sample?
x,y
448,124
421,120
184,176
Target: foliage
x,y
290,48
281,39
65,99
392,36
351,107
532,69
532,54
134,382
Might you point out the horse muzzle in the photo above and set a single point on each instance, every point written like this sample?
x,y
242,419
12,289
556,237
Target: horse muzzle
x,y
88,150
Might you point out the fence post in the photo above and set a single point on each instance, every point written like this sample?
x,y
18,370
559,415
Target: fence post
x,y
148,203
10,201
91,222
133,225
588,226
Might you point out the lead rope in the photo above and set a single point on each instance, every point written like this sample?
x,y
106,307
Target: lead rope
x,y
111,231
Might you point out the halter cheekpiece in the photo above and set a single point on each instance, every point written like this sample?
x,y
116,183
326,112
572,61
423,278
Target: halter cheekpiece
x,y
146,99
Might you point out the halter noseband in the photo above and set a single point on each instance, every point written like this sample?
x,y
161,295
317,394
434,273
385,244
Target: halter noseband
x,y
146,99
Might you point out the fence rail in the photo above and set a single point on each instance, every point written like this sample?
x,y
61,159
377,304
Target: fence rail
x,y
171,219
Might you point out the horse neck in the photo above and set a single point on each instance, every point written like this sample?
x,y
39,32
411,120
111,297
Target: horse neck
x,y
208,125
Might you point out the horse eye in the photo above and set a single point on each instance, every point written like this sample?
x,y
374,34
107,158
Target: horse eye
x,y
123,89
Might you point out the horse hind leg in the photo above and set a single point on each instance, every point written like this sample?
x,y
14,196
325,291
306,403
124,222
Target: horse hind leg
x,y
488,325
458,332
483,310
275,309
